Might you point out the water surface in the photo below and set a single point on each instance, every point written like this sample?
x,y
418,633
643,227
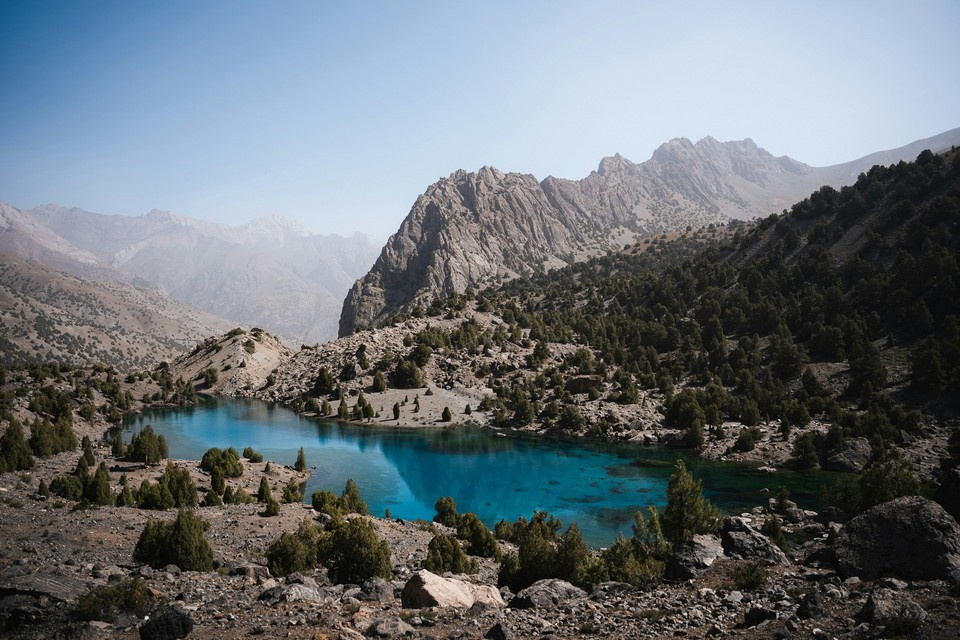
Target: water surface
x,y
597,485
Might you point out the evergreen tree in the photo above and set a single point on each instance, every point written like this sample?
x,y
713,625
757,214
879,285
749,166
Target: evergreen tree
x,y
301,463
687,512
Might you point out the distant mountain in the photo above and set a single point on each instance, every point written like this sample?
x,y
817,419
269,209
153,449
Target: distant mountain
x,y
270,273
475,228
48,315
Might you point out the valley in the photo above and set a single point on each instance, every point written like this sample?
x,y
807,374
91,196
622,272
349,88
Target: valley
x,y
800,340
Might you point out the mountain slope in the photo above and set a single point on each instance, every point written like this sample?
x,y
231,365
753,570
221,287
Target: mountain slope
x,y
48,315
270,273
475,228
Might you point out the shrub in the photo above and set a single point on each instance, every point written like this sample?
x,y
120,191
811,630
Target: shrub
x,y
446,416
15,453
47,438
301,463
293,491
227,460
772,529
479,539
379,382
252,455
264,494
180,485
327,502
271,509
181,543
687,512
105,603
289,553
446,512
445,554
355,553
98,490
804,453
748,576
351,500
147,447
747,439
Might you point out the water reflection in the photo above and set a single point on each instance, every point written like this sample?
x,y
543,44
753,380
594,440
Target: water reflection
x,y
598,486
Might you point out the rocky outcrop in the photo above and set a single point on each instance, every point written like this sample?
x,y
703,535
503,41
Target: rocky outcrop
x,y
695,557
426,589
910,538
475,228
472,228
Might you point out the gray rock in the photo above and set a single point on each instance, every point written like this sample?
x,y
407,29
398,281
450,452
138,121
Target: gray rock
x,y
948,493
53,584
811,607
695,557
169,623
547,593
909,538
758,615
498,632
391,628
291,593
378,590
426,589
896,611
852,456
742,541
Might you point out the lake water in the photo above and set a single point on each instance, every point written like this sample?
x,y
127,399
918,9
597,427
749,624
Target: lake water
x,y
597,485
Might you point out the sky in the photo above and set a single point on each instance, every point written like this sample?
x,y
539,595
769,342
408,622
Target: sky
x,y
339,114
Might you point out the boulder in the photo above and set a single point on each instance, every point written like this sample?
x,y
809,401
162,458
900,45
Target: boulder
x,y
391,628
852,456
498,632
695,557
169,623
910,538
811,607
758,615
741,541
378,590
291,593
547,593
426,589
896,611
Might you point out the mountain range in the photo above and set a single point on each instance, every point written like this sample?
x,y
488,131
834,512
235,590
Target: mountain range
x,y
473,229
271,272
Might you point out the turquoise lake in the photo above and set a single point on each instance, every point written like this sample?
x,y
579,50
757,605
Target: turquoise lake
x,y
599,486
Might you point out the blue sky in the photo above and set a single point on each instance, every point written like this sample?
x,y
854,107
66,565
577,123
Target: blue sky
x,y
340,114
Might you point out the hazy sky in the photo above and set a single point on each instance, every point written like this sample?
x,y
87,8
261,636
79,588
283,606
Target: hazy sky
x,y
340,114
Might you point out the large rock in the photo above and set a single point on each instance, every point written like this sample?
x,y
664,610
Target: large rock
x,y
910,538
392,628
548,593
425,589
852,456
291,593
742,541
169,623
891,609
695,557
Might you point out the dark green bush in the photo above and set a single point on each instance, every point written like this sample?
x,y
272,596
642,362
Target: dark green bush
x,y
106,603
227,460
147,447
445,554
479,539
446,511
181,543
355,553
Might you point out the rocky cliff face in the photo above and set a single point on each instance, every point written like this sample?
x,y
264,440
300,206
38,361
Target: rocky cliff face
x,y
472,228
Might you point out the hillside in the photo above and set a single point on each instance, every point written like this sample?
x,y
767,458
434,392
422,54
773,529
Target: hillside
x,y
782,345
476,229
270,273
48,315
